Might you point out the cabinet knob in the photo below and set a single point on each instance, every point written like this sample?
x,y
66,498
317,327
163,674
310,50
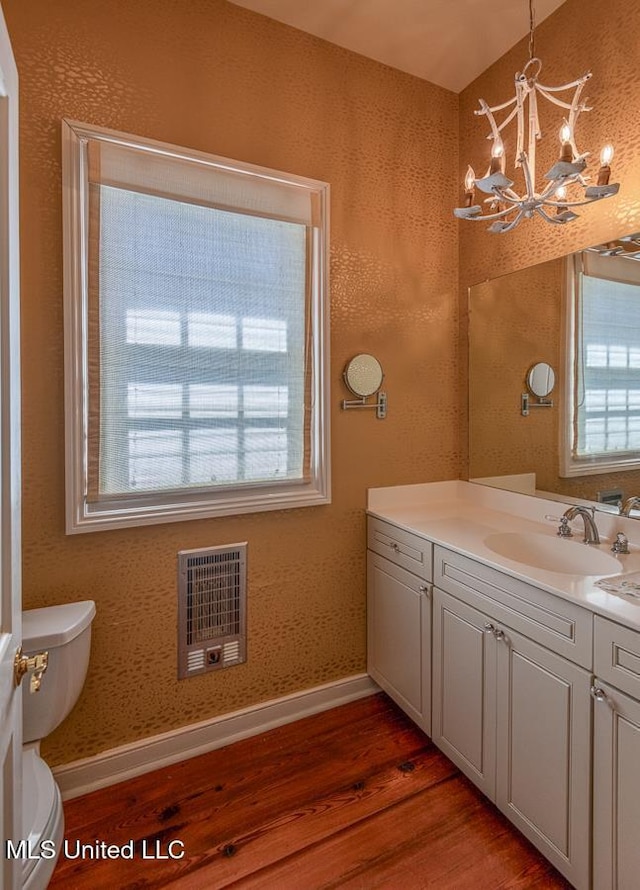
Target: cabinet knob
x,y
490,628
423,589
598,693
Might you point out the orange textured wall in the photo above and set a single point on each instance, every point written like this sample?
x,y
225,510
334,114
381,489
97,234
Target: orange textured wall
x,y
603,39
212,76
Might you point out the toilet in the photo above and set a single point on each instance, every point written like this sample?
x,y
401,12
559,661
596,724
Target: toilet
x,y
65,633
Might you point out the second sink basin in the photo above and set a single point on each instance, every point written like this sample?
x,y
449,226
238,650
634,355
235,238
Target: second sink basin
x,y
553,554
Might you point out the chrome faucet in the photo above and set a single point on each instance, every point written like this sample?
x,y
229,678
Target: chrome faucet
x,y
591,535
629,505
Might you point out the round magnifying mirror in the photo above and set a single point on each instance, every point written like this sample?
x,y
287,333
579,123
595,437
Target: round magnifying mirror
x,y
363,375
541,379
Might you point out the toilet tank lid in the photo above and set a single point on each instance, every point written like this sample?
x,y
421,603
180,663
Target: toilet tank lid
x,y
55,625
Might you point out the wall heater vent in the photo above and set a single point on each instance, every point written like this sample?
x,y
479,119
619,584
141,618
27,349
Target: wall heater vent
x,y
212,609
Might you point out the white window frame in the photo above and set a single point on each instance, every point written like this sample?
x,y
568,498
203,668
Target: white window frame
x,y
187,503
570,465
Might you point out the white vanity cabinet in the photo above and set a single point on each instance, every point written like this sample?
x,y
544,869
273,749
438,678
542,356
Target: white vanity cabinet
x,y
511,712
399,573
616,757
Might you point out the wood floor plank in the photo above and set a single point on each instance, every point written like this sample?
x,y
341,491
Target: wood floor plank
x,y
322,818
251,758
356,797
446,837
210,799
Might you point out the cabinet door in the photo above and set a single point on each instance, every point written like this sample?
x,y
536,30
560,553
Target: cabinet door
x,y
464,689
399,636
616,790
543,751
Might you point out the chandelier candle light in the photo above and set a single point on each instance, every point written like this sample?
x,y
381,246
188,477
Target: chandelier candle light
x,y
553,202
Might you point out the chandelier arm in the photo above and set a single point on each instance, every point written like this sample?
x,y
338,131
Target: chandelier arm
x,y
581,203
495,130
484,108
534,118
568,105
507,120
574,114
554,185
502,196
508,194
498,215
565,86
551,219
513,223
521,94
524,163
534,135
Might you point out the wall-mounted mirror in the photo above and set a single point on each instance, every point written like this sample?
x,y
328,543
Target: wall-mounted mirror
x,y
541,379
363,377
579,315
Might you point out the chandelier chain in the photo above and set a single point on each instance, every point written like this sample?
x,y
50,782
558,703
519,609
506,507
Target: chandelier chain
x,y
532,27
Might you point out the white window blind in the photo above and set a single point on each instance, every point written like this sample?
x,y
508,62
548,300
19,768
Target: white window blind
x,y
196,326
605,350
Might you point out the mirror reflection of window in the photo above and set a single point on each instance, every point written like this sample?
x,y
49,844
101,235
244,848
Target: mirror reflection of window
x,y
605,358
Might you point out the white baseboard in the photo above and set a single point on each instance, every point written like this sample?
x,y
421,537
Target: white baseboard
x,y
127,761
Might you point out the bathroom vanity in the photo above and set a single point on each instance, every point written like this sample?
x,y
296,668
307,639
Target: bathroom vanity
x,y
490,632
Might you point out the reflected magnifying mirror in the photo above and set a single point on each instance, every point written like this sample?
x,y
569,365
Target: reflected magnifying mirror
x,y
540,380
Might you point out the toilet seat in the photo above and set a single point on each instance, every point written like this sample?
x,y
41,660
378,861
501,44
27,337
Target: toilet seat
x,y
42,817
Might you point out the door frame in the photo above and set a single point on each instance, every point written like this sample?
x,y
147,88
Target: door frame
x,y
11,827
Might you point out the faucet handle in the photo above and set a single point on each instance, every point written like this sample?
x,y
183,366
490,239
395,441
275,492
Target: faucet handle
x,y
621,543
564,530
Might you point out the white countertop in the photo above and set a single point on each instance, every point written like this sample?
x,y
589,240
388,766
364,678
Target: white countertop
x,y
462,516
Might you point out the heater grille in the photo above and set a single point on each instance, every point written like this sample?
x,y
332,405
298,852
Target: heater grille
x,y
212,596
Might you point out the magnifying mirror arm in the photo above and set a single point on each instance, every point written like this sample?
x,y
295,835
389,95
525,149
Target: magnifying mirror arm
x,y
380,404
527,402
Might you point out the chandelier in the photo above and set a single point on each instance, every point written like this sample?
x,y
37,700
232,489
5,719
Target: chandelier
x,y
558,194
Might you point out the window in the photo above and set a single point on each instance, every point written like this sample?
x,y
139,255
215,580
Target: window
x,y
196,334
602,426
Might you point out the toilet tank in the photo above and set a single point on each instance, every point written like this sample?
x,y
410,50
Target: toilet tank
x,y
65,633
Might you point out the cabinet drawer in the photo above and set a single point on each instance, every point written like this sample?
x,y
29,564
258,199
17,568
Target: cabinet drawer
x,y
541,616
404,549
617,655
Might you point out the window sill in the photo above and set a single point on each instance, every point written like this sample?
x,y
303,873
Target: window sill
x,y
99,517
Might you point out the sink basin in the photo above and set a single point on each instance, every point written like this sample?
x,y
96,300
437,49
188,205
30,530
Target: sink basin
x,y
553,554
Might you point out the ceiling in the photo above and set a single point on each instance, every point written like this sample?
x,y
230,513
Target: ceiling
x,y
447,42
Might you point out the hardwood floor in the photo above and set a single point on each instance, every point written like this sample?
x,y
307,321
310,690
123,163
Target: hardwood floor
x,y
356,798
